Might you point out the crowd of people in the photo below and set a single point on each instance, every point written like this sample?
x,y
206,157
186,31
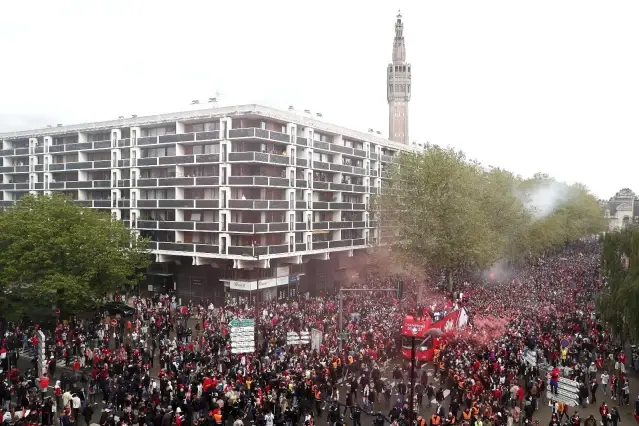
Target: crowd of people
x,y
173,365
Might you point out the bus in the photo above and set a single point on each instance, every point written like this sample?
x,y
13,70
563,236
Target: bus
x,y
425,342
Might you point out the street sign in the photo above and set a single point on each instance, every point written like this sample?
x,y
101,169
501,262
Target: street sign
x,y
567,392
242,323
242,336
343,336
293,338
114,322
530,358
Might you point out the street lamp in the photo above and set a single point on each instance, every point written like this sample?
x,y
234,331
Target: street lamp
x,y
412,335
257,289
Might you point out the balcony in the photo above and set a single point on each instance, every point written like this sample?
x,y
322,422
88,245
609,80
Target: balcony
x,y
341,187
254,251
259,157
102,204
258,181
176,203
177,159
79,185
341,168
176,181
340,206
181,137
241,227
207,136
301,141
207,181
79,165
189,248
101,183
142,204
147,224
151,161
207,158
340,243
186,226
241,133
320,245
207,204
321,165
249,204
207,248
207,226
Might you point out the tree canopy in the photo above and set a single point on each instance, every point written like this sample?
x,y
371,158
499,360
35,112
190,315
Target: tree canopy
x,y
618,303
56,254
445,211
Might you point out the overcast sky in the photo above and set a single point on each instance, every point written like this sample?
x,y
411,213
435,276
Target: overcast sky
x,y
549,86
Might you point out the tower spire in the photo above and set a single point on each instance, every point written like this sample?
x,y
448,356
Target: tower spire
x,y
398,89
399,50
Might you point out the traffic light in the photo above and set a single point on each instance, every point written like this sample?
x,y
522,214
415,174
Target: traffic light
x,y
400,289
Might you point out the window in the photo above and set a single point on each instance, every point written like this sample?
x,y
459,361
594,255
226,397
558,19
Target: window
x,y
159,131
158,152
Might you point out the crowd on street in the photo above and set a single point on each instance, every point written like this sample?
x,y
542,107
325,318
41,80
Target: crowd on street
x,y
172,364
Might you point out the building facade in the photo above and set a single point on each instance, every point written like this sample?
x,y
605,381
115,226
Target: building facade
x,y
398,90
621,210
236,200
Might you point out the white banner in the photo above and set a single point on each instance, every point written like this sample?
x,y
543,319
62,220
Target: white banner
x,y
303,338
242,330
242,339
243,350
463,318
316,339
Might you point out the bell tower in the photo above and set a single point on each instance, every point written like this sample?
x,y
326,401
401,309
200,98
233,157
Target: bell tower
x,y
398,87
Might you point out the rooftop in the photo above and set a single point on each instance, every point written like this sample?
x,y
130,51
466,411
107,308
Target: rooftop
x,y
203,114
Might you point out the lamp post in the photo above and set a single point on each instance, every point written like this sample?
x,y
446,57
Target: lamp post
x,y
413,361
257,289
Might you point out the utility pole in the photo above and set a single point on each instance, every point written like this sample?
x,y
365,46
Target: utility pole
x,y
411,416
257,297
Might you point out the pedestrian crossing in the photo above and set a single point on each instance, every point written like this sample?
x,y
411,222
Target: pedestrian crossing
x,y
59,362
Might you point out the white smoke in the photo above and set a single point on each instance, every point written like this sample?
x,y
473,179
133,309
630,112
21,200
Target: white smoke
x,y
545,198
500,271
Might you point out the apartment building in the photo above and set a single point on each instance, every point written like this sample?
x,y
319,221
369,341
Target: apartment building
x,y
236,200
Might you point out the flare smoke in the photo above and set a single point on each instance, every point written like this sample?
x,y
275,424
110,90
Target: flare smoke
x,y
545,198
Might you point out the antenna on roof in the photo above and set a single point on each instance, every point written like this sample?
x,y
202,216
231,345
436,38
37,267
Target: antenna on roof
x,y
214,100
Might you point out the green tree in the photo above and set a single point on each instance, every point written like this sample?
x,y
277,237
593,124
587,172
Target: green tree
x,y
445,213
54,253
434,210
560,213
618,303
